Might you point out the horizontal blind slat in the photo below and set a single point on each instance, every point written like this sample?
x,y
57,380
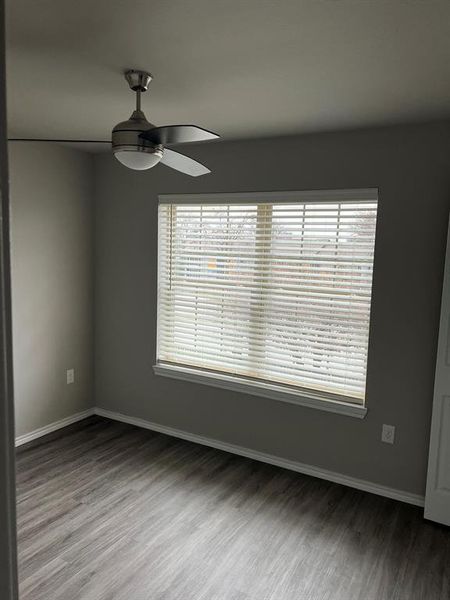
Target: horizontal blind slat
x,y
263,335
317,304
228,319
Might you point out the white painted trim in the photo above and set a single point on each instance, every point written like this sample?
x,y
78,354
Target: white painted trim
x,y
308,398
361,195
37,433
359,484
437,496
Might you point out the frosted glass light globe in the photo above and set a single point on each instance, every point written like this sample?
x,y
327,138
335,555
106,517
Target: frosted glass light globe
x,y
138,158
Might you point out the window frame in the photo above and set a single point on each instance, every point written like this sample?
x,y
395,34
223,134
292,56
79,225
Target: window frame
x,y
310,398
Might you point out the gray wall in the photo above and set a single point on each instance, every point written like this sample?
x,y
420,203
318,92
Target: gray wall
x,y
52,282
411,167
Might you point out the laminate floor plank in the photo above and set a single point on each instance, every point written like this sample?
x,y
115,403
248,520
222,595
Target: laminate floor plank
x,y
108,511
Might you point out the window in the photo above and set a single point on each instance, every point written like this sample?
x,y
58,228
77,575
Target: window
x,y
270,290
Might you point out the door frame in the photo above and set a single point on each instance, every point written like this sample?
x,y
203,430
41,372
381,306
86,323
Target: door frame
x,y
437,497
8,544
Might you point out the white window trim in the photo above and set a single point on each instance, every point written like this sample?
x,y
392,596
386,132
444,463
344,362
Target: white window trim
x,y
308,398
302,397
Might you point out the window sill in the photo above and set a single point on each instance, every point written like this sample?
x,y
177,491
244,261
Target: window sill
x,y
276,392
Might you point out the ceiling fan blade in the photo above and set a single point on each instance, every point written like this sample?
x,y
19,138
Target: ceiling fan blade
x,y
178,134
65,141
183,163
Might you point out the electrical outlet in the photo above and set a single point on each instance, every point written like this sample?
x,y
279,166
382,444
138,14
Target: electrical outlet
x,y
388,434
70,373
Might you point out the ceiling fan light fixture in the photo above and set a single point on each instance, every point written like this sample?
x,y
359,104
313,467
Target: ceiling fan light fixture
x,y
139,145
138,158
130,148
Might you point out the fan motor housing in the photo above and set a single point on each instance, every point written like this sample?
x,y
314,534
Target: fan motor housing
x,y
126,135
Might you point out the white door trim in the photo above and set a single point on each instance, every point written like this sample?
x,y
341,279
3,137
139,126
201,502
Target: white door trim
x,y
437,497
8,545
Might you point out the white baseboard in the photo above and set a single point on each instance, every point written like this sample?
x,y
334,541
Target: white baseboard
x,y
359,484
37,433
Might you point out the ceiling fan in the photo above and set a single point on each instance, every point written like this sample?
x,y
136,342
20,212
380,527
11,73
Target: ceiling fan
x,y
140,145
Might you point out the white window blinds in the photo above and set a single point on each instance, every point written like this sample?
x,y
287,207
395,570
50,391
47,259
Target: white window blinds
x,y
276,291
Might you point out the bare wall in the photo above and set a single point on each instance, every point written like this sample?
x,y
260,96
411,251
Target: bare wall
x,y
52,282
411,167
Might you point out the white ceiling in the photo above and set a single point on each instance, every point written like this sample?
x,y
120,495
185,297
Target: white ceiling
x,y
243,68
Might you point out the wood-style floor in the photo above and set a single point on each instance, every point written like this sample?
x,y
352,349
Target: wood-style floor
x,y
110,511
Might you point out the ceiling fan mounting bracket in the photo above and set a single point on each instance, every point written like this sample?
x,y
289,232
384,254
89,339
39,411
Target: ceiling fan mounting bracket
x,y
138,80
